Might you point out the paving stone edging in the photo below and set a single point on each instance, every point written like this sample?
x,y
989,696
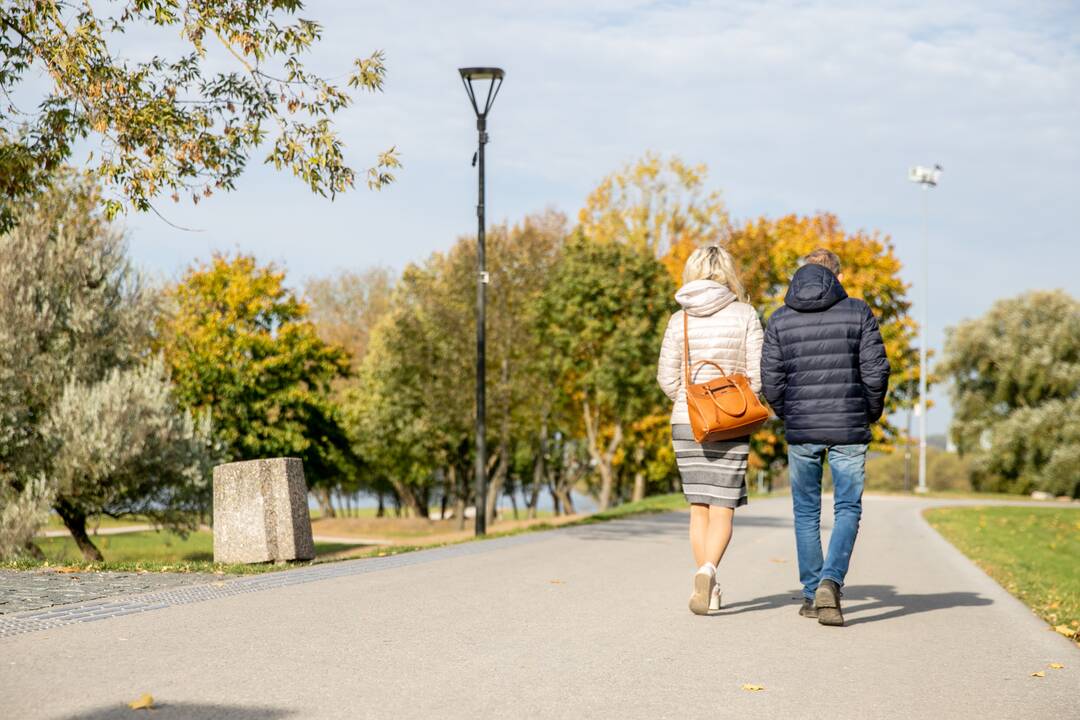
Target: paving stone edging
x,y
91,611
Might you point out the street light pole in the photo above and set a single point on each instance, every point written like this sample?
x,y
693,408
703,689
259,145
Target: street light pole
x,y
494,78
927,178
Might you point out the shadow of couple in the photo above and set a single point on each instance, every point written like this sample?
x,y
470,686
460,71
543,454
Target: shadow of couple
x,y
866,603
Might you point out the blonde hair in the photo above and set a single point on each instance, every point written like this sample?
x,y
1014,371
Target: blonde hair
x,y
713,262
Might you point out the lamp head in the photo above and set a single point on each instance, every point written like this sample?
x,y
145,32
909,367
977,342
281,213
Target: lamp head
x,y
924,175
487,80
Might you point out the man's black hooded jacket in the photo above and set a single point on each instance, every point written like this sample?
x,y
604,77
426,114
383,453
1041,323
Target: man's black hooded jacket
x,y
823,368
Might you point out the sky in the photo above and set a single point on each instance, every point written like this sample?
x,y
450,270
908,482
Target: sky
x,y
794,106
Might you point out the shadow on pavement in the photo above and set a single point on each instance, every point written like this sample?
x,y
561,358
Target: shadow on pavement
x,y
862,599
186,711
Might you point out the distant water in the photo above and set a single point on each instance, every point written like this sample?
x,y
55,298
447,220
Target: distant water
x,y
582,503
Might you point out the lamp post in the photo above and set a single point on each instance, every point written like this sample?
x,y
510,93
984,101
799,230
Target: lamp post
x,y
475,78
927,178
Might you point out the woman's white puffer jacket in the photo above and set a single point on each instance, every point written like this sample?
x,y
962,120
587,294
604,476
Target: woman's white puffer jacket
x,y
722,329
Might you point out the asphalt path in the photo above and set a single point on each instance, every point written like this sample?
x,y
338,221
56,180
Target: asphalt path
x,y
582,622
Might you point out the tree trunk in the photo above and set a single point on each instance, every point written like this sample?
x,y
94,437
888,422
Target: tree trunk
x,y
322,498
495,486
75,521
602,458
381,512
539,472
639,474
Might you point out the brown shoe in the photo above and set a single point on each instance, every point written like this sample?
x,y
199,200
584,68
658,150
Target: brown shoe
x,y
808,610
827,601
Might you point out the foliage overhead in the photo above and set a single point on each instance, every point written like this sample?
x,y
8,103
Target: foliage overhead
x,y
170,124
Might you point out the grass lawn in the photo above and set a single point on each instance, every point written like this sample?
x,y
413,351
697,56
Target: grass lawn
x,y
168,552
1032,552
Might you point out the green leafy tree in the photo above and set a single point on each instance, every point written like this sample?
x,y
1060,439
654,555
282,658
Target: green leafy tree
x,y
603,314
413,409
122,446
1016,393
171,125
239,344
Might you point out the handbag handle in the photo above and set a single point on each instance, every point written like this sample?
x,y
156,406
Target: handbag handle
x,y
686,354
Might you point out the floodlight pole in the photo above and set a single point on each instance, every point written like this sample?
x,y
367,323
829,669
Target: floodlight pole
x,y
927,178
922,338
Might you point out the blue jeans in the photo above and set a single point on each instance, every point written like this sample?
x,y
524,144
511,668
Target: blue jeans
x,y
848,466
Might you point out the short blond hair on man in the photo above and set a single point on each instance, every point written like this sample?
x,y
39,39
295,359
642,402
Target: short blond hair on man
x,y
824,258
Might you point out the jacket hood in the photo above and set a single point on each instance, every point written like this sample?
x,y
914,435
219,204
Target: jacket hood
x,y
704,297
814,288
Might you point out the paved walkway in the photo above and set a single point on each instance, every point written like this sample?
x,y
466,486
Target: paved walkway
x,y
580,622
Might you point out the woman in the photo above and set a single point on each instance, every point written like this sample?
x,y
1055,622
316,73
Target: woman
x,y
725,329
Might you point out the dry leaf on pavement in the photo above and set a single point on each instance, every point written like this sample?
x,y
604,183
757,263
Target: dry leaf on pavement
x,y
752,688
1056,666
146,702
1065,630
1040,673
556,582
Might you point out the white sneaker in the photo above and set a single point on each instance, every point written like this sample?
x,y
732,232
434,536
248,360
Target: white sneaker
x,y
714,599
704,582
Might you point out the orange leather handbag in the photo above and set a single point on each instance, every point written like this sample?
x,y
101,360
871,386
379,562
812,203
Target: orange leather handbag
x,y
721,409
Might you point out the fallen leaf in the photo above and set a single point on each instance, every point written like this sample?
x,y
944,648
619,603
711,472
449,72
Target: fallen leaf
x,y
778,560
1056,666
146,702
752,688
1040,673
556,582
1065,630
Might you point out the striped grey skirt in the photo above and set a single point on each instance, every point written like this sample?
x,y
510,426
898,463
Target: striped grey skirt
x,y
712,473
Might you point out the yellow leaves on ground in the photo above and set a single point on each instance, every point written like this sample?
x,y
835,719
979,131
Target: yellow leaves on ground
x,y
556,582
1065,630
1057,666
752,688
1039,673
145,702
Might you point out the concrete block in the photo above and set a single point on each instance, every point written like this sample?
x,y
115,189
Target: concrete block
x,y
261,512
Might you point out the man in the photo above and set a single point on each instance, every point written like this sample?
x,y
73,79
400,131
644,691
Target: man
x,y
825,374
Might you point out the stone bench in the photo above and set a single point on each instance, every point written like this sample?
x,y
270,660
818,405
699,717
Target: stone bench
x,y
261,512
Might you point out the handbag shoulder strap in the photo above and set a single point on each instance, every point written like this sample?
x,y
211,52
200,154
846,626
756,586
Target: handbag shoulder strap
x,y
686,345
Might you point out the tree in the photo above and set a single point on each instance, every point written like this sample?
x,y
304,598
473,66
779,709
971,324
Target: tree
x,y
603,314
122,446
346,307
71,309
75,407
412,411
659,204
770,250
240,345
169,124
1016,393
